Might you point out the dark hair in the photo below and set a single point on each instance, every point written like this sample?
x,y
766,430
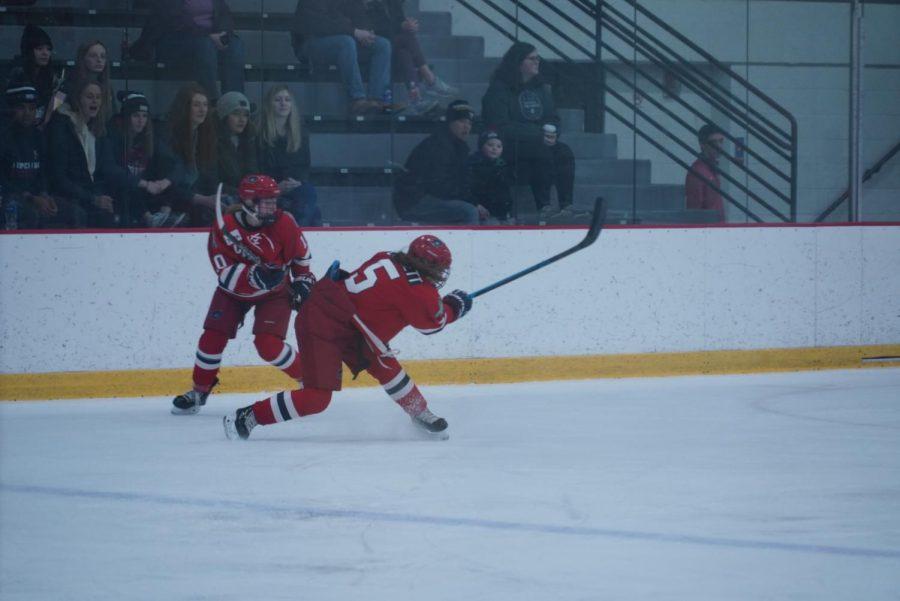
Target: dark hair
x,y
706,131
508,69
182,137
427,270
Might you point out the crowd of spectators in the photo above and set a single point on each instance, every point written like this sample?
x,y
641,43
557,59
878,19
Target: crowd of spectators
x,y
74,154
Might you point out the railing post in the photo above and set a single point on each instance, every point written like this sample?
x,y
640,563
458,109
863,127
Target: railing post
x,y
855,171
601,72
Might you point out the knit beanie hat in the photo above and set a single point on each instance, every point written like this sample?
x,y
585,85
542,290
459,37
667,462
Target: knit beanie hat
x,y
459,109
32,37
132,102
486,136
20,93
230,102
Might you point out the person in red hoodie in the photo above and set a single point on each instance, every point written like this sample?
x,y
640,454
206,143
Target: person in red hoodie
x,y
702,185
350,318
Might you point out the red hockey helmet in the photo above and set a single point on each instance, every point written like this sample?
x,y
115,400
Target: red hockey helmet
x,y
432,251
259,198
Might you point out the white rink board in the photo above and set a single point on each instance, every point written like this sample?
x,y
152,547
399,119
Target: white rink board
x,y
118,301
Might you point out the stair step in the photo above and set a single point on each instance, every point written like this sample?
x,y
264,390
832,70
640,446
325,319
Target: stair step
x,y
378,150
663,217
625,197
612,171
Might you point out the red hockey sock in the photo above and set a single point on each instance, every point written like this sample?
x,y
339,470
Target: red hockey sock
x,y
208,359
403,391
277,352
287,405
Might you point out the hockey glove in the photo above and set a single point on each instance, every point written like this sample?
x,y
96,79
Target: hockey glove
x,y
263,278
460,301
300,289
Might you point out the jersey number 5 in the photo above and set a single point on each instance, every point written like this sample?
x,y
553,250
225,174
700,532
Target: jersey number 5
x,y
369,276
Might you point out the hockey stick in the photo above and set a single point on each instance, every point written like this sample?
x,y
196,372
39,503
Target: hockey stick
x,y
597,221
237,244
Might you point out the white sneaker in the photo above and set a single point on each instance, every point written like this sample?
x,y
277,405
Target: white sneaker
x,y
420,107
442,88
159,218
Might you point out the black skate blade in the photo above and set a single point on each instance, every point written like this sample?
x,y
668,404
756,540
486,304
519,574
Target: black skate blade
x,y
424,434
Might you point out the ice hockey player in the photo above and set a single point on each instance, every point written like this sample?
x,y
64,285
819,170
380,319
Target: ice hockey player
x,y
350,318
262,262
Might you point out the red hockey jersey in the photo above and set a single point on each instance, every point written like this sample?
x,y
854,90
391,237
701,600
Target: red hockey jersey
x,y
279,245
388,297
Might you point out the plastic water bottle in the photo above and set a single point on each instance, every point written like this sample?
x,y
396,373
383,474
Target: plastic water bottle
x,y
11,209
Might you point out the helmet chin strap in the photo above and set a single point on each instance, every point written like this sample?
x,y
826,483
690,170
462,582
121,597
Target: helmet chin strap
x,y
250,216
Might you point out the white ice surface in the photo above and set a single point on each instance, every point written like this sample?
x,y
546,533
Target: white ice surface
x,y
776,486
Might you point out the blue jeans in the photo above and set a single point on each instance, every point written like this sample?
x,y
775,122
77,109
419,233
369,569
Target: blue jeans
x,y
303,203
343,51
208,62
435,211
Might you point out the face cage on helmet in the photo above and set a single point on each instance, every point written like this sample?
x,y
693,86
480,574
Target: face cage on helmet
x,y
262,209
444,276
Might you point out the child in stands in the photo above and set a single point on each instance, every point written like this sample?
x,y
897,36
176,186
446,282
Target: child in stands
x,y
488,180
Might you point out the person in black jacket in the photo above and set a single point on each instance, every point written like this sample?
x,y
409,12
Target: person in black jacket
x,y
519,104
338,32
23,167
488,180
284,155
145,166
430,191
34,67
81,168
201,33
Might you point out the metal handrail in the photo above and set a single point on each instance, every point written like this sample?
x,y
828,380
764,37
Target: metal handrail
x,y
891,153
780,141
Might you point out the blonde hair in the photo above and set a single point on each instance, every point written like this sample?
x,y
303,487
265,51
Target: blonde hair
x,y
268,131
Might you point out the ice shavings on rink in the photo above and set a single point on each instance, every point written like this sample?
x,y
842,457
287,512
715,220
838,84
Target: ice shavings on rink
x,y
779,486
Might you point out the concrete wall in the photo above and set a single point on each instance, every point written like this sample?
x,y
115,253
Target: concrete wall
x,y
796,52
84,302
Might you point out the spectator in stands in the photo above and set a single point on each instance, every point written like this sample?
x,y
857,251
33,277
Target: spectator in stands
x,y
390,21
145,166
199,33
92,64
78,155
23,167
237,141
284,155
430,191
33,67
339,32
193,140
519,104
488,181
701,185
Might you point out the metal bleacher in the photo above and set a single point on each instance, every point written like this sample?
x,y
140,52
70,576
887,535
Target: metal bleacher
x,y
354,158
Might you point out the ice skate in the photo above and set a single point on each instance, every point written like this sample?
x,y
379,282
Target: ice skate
x,y
188,403
429,422
240,424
